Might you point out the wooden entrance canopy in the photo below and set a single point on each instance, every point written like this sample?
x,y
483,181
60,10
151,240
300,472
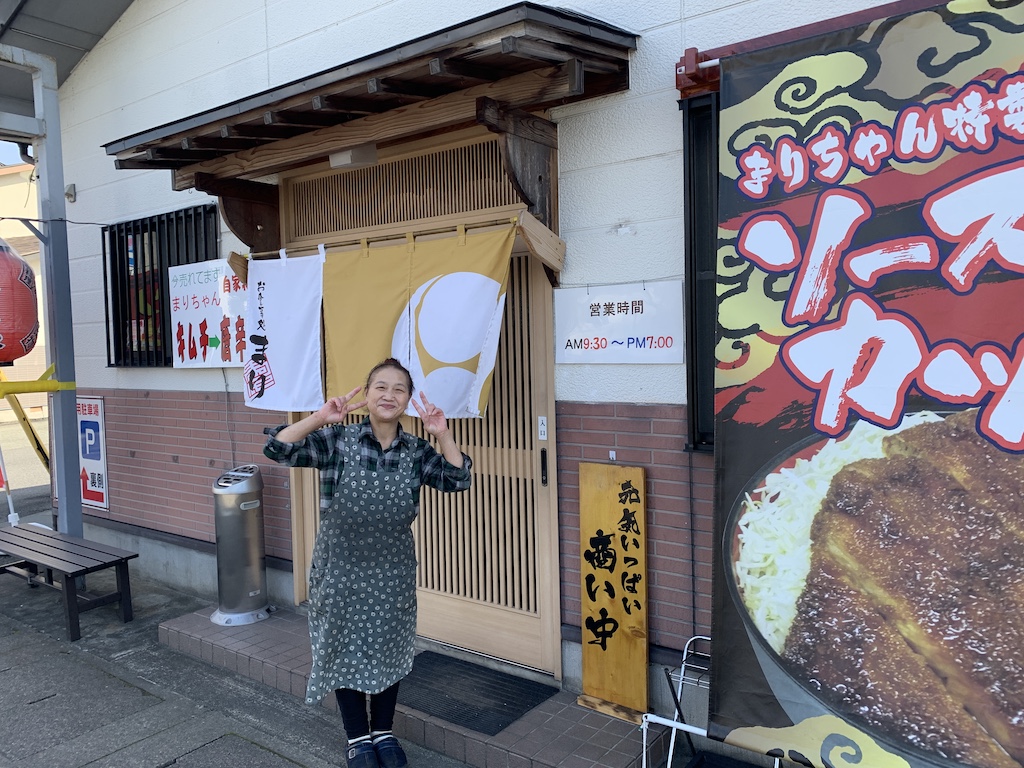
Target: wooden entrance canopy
x,y
494,70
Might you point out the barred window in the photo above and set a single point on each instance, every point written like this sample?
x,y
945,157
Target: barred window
x,y
136,255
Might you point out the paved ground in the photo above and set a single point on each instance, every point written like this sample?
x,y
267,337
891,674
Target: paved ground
x,y
117,698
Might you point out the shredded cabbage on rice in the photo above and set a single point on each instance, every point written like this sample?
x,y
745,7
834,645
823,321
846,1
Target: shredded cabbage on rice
x,y
774,545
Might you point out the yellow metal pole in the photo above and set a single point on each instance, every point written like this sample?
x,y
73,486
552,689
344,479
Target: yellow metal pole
x,y
10,390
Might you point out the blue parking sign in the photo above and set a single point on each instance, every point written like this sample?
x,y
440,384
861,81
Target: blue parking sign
x,y
90,435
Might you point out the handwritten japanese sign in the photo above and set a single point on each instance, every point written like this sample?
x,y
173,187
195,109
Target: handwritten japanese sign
x,y
870,393
626,323
613,572
208,305
282,365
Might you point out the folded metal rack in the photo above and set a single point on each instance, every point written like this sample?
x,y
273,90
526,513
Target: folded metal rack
x,y
694,669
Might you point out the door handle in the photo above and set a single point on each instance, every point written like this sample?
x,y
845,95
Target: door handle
x,y
543,466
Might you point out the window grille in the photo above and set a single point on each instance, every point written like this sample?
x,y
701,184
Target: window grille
x,y
136,255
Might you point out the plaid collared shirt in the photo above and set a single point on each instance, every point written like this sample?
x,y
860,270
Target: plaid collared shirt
x,y
323,450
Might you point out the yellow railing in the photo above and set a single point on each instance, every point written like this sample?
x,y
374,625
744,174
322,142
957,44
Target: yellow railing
x,y
11,389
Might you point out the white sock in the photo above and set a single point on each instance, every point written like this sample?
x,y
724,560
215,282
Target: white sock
x,y
380,735
359,740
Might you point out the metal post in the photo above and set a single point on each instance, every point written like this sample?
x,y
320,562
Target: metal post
x,y
56,281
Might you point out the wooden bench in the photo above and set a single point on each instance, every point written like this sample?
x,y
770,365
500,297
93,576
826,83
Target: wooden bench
x,y
41,553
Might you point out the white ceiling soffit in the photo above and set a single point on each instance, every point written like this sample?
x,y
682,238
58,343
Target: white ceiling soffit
x,y
65,30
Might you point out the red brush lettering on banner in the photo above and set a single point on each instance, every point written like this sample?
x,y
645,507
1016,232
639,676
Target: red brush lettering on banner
x,y
982,214
828,151
969,120
870,144
792,165
866,361
771,242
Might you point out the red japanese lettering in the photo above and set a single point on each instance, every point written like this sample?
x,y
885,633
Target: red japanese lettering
x,y
981,213
966,121
757,169
180,337
865,266
917,134
828,149
204,337
864,362
771,241
791,164
869,146
225,339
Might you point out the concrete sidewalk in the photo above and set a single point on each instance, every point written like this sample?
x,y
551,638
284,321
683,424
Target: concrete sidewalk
x,y
118,698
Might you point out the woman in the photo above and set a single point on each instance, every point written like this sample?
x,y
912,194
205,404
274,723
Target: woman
x,y
362,580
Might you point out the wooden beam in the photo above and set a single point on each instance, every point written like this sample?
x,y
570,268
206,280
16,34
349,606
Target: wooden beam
x,y
539,87
529,147
176,153
406,89
218,142
442,67
250,191
350,104
539,50
305,117
269,132
517,122
255,224
138,164
542,242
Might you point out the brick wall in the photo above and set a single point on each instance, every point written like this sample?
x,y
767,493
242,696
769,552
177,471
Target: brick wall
x,y
680,492
165,449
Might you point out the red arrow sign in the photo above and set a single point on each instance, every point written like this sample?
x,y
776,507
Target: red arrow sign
x,y
88,495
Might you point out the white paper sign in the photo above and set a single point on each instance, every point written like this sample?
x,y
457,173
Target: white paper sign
x,y
282,365
629,323
207,315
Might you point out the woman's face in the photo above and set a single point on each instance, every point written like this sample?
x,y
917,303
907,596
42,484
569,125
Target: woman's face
x,y
388,394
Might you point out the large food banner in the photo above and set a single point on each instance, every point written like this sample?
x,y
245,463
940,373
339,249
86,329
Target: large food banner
x,y
870,394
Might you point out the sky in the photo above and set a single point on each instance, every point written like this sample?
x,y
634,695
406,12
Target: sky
x,y
9,154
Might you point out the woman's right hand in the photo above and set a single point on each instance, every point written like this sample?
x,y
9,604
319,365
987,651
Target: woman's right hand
x,y
331,412
337,408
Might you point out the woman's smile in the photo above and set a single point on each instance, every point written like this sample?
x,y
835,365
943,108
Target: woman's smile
x,y
388,395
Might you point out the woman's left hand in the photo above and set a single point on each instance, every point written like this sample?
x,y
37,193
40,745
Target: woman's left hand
x,y
433,418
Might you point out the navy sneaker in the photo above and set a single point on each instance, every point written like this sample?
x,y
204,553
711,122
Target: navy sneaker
x,y
390,753
362,755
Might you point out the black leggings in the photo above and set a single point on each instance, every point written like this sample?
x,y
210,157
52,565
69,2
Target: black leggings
x,y
353,710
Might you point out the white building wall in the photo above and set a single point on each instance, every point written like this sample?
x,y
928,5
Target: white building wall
x,y
620,181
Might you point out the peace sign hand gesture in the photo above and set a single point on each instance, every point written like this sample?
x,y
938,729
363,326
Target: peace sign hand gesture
x,y
337,408
433,418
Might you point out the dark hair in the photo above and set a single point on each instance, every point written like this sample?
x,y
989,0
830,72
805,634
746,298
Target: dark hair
x,y
389,363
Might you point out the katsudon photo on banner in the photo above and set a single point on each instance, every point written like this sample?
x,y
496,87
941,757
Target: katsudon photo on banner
x,y
869,432
434,304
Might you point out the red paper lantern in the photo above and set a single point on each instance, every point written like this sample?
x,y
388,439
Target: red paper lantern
x,y
19,317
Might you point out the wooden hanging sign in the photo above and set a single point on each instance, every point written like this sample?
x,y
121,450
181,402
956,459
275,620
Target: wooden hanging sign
x,y
613,575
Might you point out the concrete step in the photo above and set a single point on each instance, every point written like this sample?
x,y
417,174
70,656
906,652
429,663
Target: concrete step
x,y
559,733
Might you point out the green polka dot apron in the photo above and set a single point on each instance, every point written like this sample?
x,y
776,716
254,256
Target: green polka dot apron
x,y
362,581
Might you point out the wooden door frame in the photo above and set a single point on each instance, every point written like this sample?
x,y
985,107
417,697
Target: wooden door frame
x,y
304,491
